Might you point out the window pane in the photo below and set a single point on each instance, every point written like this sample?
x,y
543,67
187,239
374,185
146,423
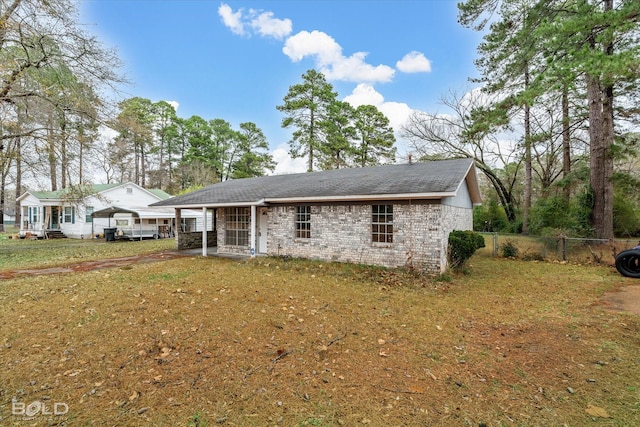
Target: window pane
x,y
237,226
382,223
88,212
303,222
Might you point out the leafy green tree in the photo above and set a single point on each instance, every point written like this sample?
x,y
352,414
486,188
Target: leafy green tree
x,y
134,125
374,136
200,151
588,40
306,107
227,152
507,59
166,143
251,157
224,139
490,217
338,150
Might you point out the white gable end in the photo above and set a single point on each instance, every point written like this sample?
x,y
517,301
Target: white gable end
x,y
462,199
128,196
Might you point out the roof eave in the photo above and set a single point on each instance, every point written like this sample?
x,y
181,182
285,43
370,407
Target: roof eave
x,y
316,199
362,197
471,179
247,204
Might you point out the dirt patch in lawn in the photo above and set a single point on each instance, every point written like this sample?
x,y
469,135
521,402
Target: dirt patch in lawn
x,y
94,265
624,299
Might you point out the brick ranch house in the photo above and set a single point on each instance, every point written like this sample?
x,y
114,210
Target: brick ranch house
x,y
393,215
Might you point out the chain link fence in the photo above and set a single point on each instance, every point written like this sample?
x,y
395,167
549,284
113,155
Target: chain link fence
x,y
560,248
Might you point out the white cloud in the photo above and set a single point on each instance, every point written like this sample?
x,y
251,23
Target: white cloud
x,y
320,46
268,26
330,60
355,69
364,94
285,164
174,104
396,112
231,19
262,23
414,62
316,43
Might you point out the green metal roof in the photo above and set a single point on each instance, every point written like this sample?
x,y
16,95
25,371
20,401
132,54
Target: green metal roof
x,y
60,194
96,188
159,193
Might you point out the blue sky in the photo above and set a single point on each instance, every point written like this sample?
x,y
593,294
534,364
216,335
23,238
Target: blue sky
x,y
235,60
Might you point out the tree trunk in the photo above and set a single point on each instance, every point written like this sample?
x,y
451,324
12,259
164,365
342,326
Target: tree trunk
x,y
527,158
506,200
136,161
52,156
312,141
600,161
81,152
566,143
64,162
143,171
2,199
18,159
600,99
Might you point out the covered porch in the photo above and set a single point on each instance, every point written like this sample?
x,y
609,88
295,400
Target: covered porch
x,y
146,223
44,221
234,230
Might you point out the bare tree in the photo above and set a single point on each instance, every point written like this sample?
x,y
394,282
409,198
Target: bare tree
x,y
51,70
437,136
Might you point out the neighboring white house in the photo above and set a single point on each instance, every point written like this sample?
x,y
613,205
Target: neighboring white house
x,y
394,215
9,217
50,213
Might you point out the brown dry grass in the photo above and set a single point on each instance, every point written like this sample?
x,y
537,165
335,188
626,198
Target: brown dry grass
x,y
213,341
24,253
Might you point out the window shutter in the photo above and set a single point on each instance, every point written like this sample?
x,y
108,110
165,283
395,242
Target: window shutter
x,y
73,215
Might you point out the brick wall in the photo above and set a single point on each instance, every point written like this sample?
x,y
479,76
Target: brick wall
x,y
342,232
193,239
222,246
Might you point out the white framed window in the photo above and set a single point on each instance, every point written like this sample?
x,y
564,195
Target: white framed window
x,y
382,223
237,221
88,210
303,222
31,214
69,215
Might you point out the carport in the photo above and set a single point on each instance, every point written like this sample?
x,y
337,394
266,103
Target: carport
x,y
139,231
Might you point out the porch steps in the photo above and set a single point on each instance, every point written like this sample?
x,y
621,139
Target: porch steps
x,y
54,234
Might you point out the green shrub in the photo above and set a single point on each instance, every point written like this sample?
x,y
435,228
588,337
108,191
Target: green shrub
x,y
490,217
509,250
462,245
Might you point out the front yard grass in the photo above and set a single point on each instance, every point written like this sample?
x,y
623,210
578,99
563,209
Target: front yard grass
x,y
214,341
25,253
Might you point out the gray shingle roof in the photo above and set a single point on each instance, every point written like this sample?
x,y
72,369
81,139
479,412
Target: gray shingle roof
x,y
436,178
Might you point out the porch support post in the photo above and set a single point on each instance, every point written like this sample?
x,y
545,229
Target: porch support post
x,y
252,233
204,231
177,227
